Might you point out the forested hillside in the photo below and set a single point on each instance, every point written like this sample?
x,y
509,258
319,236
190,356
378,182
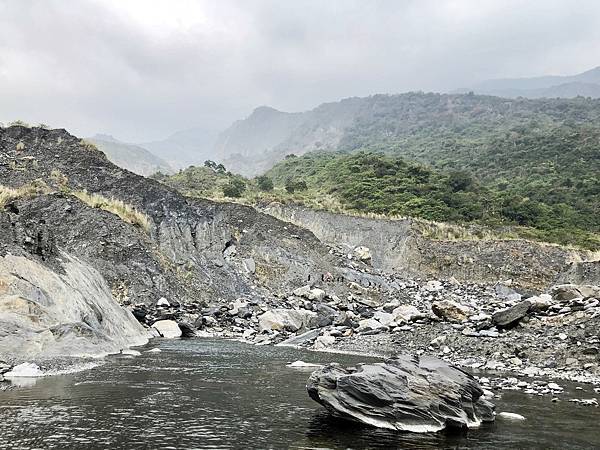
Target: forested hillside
x,y
530,165
447,131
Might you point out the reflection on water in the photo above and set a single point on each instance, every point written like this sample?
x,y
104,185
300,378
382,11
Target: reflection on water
x,y
224,394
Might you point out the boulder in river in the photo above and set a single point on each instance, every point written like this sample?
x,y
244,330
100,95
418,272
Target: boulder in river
x,y
406,393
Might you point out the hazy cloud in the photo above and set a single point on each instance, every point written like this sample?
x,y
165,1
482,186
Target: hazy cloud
x,y
141,69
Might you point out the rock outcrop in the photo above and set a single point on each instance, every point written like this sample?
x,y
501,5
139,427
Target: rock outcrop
x,y
400,246
404,393
60,313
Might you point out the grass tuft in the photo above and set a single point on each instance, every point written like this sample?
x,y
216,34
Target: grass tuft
x,y
126,212
8,194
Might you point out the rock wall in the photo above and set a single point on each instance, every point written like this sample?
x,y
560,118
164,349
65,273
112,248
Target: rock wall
x,y
397,246
65,312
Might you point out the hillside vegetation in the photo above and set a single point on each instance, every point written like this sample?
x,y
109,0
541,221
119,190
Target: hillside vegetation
x,y
366,182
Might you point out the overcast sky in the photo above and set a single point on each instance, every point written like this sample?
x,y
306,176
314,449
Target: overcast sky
x,y
142,69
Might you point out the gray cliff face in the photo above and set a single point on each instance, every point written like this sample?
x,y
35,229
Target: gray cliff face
x,y
60,313
398,246
404,393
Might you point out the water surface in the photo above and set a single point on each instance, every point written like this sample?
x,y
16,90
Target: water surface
x,y
224,394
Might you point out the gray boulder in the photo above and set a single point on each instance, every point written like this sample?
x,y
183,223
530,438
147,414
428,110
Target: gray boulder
x,y
325,315
287,319
510,316
563,292
406,393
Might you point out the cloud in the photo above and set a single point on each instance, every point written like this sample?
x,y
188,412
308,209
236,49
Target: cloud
x,y
142,70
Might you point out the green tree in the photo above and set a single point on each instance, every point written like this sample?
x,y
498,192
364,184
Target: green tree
x,y
264,183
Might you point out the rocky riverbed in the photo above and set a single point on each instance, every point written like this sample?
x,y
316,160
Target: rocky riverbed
x,y
527,338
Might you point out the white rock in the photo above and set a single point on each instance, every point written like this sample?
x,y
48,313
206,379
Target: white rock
x,y
369,324
362,253
163,302
25,370
234,307
310,293
554,387
511,416
286,319
323,342
301,364
562,336
383,317
154,350
434,285
438,341
167,328
405,313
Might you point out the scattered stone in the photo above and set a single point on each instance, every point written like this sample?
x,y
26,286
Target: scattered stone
x,y
362,254
450,310
510,316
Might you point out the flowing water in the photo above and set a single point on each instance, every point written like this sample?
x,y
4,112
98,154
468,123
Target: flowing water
x,y
224,394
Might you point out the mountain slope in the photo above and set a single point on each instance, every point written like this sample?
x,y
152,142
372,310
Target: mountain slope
x,y
448,131
129,156
586,84
185,148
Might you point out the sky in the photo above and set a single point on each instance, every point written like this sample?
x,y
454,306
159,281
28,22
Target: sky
x,y
143,69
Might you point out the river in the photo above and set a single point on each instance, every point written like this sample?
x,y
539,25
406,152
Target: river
x,y
209,393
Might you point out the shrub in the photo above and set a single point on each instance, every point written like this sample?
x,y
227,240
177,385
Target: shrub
x,y
264,183
234,188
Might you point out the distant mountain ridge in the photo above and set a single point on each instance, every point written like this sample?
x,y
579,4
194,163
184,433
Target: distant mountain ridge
x,y
446,130
130,156
586,84
184,148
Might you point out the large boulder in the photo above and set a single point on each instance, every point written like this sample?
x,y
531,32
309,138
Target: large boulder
x,y
563,292
406,393
310,293
450,310
406,313
287,319
511,316
168,329
66,312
